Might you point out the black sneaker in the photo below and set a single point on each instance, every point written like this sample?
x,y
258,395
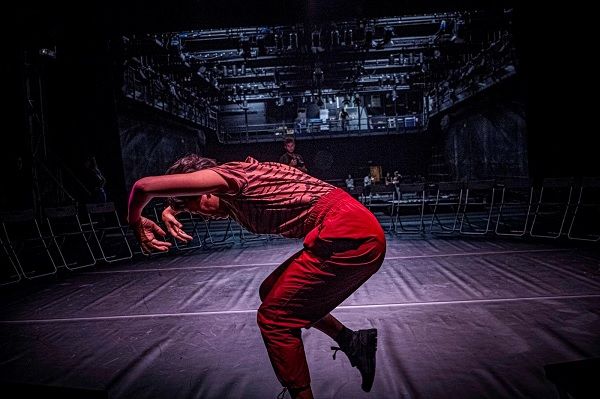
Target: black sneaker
x,y
282,394
361,353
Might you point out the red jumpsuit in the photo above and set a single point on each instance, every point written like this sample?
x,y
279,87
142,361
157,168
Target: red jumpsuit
x,y
343,246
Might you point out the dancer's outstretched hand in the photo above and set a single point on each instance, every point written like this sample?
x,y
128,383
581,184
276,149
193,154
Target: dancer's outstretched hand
x,y
174,226
146,232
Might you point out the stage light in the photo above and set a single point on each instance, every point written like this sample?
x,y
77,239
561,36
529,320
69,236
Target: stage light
x,y
260,43
279,40
335,38
46,52
368,38
318,76
293,41
316,39
388,34
246,51
348,39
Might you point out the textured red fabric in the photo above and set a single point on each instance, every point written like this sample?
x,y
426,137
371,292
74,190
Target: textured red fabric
x,y
343,249
269,197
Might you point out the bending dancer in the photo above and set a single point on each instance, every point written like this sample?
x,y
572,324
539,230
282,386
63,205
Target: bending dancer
x,y
343,246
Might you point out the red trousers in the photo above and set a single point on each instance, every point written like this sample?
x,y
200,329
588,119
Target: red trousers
x,y
345,247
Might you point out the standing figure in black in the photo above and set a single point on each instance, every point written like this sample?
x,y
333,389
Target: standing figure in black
x,y
290,157
344,119
94,180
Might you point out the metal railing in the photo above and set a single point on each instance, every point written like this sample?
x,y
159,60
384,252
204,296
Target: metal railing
x,y
147,87
368,126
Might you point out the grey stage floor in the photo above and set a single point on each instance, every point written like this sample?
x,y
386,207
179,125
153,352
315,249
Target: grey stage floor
x,y
457,318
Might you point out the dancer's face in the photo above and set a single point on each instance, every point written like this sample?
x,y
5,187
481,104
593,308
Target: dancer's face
x,y
207,205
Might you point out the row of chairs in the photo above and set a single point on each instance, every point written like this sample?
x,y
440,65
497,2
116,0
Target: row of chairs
x,y
554,208
72,238
33,247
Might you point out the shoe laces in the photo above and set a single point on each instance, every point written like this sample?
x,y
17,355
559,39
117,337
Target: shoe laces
x,y
335,349
282,394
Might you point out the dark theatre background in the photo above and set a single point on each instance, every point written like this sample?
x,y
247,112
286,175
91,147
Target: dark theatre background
x,y
471,302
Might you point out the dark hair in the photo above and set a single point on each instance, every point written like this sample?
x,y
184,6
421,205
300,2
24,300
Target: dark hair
x,y
187,164
289,140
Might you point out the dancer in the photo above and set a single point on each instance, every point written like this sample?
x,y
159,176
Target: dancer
x,y
344,245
